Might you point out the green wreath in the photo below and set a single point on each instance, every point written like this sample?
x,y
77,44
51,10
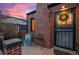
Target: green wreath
x,y
63,17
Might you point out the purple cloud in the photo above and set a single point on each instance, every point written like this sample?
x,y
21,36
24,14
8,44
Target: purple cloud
x,y
17,9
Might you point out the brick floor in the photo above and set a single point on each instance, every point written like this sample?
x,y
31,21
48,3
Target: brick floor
x,y
36,50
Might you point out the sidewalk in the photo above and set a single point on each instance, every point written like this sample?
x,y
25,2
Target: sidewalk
x,y
1,53
36,50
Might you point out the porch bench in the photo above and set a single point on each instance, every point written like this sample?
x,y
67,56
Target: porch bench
x,y
13,46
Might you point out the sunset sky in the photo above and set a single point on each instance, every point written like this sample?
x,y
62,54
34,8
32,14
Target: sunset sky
x,y
17,9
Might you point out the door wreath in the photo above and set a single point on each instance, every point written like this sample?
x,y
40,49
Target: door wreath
x,y
63,17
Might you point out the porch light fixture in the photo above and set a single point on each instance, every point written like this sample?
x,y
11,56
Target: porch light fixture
x,y
63,7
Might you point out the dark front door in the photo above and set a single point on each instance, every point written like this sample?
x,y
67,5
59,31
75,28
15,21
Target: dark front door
x,y
64,28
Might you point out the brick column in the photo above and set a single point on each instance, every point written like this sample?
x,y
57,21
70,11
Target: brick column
x,y
43,23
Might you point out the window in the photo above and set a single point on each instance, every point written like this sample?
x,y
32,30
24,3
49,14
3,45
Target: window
x,y
32,24
17,30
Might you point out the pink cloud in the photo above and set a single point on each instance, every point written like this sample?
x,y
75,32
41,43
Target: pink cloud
x,y
20,9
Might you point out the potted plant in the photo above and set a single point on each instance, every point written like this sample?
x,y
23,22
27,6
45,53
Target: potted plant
x,y
39,39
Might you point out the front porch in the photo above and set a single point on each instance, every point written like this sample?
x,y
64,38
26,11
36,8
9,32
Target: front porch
x,y
36,50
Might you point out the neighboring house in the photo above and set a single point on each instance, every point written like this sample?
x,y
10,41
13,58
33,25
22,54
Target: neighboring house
x,y
57,24
12,26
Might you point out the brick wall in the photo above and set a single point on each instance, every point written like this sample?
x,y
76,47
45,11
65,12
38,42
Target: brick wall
x,y
29,17
15,50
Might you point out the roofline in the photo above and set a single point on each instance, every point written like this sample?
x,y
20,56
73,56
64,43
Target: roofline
x,y
31,12
11,17
49,6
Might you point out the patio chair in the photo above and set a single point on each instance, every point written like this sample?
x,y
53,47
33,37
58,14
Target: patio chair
x,y
28,39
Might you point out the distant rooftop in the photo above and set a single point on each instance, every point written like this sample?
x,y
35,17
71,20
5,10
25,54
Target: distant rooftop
x,y
12,20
